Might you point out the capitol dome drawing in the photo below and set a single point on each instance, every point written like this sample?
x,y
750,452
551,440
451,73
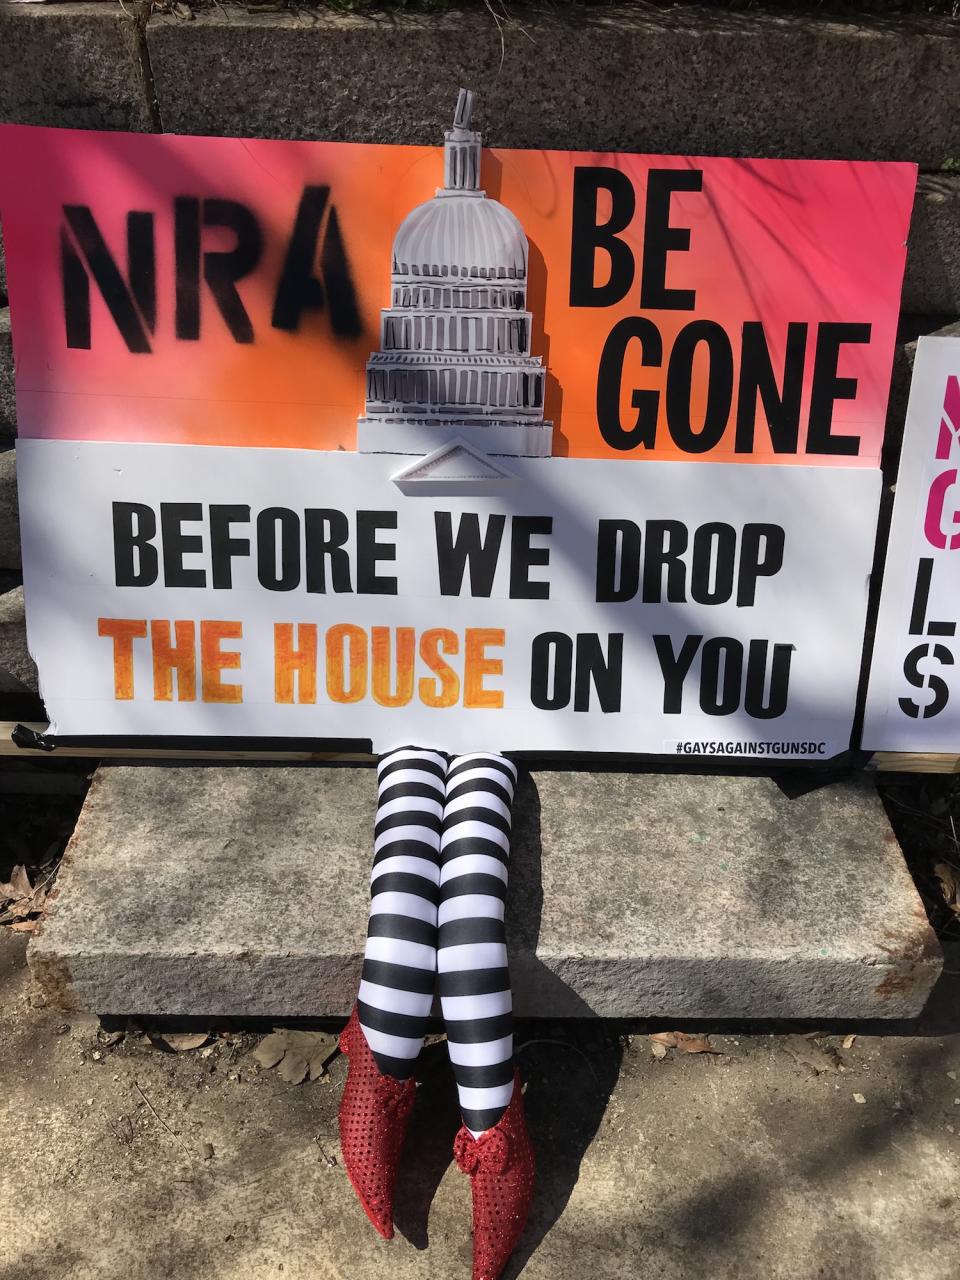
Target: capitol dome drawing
x,y
454,359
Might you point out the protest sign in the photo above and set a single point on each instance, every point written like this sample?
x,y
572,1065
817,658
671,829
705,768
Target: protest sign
x,y
581,456
913,698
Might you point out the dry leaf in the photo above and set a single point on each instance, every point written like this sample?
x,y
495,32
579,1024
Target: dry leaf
x,y
665,1040
810,1054
19,899
18,886
949,884
848,1041
183,1043
24,926
297,1055
270,1050
694,1044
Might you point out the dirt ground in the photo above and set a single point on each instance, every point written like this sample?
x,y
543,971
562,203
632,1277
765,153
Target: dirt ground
x,y
779,1157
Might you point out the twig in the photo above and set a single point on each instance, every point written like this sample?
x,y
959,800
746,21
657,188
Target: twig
x,y
499,24
176,1137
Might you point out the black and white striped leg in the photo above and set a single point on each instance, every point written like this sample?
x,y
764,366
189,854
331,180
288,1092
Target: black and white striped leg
x,y
473,977
400,959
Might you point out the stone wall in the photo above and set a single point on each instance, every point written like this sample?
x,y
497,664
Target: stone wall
x,y
632,78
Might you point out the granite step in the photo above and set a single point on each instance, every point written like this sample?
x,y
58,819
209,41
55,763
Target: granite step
x,y
242,892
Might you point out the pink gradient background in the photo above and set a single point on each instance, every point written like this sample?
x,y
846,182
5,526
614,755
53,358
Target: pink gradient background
x,y
775,241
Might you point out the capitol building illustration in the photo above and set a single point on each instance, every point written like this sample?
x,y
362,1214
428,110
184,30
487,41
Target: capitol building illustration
x,y
454,360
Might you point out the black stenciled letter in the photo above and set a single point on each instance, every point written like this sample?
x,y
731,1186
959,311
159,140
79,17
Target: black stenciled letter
x,y
659,238
758,381
223,545
666,542
370,552
132,303
721,673
604,671
221,271
610,377
588,236
674,668
618,560
326,532
680,386
300,289
135,558
713,562
828,388
776,703
278,573
454,554
523,557
761,556
177,544
924,680
551,670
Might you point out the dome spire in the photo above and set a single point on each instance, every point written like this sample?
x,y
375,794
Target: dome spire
x,y
461,149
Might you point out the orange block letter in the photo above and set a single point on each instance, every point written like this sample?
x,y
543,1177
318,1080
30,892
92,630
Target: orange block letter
x,y
445,691
123,632
180,657
380,643
213,660
477,665
290,661
356,638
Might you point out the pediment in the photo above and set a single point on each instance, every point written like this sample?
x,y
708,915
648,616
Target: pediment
x,y
454,468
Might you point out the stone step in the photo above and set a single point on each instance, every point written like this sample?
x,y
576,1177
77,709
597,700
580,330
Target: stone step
x,y
931,282
8,412
18,672
243,892
9,513
571,77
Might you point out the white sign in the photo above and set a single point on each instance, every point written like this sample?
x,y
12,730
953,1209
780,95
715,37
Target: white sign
x,y
913,700
546,604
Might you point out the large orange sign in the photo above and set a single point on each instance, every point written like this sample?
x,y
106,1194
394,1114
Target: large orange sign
x,y
229,292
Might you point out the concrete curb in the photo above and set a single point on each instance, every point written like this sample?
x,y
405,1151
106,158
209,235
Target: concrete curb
x,y
697,82
9,513
8,410
18,673
77,65
931,284
243,892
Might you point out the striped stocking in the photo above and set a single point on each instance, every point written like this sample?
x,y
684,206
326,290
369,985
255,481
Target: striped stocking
x,y
400,960
474,981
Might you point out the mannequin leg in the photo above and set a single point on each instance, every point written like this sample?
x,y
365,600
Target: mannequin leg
x,y
493,1147
385,1032
473,977
399,967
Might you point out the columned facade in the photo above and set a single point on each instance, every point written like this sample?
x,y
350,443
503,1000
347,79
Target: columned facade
x,y
454,358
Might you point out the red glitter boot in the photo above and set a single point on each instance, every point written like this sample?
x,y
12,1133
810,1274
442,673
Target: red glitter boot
x,y
501,1167
374,1113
